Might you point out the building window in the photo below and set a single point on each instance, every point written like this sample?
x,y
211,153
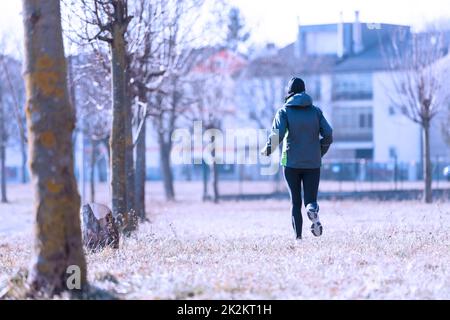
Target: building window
x,y
352,123
362,120
364,154
352,86
365,120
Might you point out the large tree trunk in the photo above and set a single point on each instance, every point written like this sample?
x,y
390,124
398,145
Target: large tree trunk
x,y
118,134
426,162
164,152
51,120
92,167
141,169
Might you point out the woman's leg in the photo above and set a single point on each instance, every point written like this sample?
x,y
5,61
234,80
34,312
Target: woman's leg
x,y
311,179
293,180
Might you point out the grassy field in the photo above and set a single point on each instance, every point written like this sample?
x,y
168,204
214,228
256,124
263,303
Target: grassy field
x,y
245,250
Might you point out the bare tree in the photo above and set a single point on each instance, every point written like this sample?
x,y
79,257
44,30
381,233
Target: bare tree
x,y
417,75
51,120
261,96
158,42
237,33
108,21
3,141
159,58
14,91
146,72
176,54
91,96
11,132
210,107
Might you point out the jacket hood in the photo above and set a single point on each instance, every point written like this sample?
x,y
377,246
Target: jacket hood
x,y
299,100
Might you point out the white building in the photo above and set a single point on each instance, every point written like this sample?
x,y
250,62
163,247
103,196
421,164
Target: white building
x,y
346,70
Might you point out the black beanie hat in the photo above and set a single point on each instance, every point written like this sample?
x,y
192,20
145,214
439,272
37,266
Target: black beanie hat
x,y
296,85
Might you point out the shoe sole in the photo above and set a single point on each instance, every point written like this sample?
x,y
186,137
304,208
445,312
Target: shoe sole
x,y
313,216
316,227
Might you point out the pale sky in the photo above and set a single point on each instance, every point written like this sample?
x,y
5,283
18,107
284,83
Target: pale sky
x,y
276,20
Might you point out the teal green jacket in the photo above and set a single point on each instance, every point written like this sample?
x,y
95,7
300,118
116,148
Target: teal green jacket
x,y
305,133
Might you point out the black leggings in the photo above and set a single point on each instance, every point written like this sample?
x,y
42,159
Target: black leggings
x,y
294,179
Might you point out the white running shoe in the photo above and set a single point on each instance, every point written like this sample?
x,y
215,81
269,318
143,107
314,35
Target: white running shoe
x,y
312,210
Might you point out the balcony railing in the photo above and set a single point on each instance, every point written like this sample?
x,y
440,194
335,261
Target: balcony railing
x,y
357,95
346,135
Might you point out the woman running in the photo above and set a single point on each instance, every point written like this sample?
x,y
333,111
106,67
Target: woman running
x,y
301,125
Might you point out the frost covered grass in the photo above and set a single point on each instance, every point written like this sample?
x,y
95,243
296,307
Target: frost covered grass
x,y
245,250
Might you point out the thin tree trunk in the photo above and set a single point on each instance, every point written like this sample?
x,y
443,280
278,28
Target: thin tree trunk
x,y
215,182
205,172
4,198
51,120
130,178
165,145
275,179
278,175
92,165
141,170
3,140
215,171
427,170
164,151
118,134
23,152
106,143
108,150
101,169
129,164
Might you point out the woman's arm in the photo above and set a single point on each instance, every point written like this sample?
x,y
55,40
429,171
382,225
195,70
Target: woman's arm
x,y
279,128
326,132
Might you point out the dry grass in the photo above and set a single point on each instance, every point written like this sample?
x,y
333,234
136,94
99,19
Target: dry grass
x,y
245,250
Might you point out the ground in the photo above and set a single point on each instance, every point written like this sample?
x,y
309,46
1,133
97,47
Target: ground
x,y
245,250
